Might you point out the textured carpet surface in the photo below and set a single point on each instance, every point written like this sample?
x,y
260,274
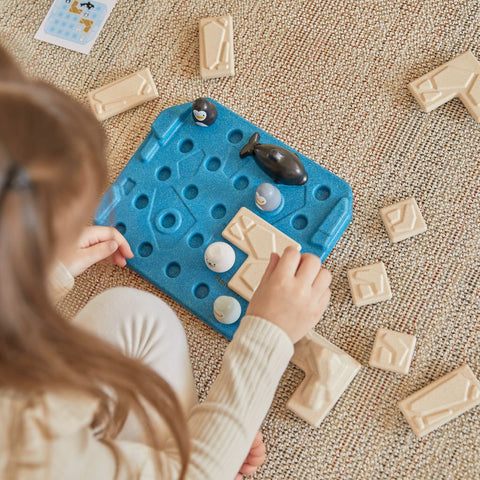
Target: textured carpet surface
x,y
328,78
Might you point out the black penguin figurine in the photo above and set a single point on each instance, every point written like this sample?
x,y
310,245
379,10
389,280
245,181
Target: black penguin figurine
x,y
279,163
204,112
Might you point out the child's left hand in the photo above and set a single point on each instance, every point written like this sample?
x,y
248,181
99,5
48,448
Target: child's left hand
x,y
255,457
96,244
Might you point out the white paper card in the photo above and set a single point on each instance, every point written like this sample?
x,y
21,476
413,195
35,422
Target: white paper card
x,y
75,24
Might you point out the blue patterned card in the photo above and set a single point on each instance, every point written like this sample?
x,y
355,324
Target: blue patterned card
x,y
75,24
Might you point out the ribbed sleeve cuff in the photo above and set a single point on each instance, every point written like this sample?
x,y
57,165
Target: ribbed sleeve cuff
x,y
266,339
60,282
223,427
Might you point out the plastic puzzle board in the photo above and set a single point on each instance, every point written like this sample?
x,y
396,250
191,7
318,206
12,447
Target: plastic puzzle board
x,y
183,186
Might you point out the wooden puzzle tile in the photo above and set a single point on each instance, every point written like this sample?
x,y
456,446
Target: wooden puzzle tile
x,y
328,373
459,77
403,220
216,47
123,94
392,351
441,401
257,238
369,284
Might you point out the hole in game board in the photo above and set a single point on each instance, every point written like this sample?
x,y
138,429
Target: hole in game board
x,y
241,183
322,193
121,228
201,290
145,249
235,136
186,146
299,222
173,270
218,211
141,202
196,240
164,174
168,220
190,192
213,164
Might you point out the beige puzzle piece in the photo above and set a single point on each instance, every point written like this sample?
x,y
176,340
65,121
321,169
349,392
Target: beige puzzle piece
x,y
403,220
258,239
369,284
392,351
459,77
216,47
441,401
123,94
328,373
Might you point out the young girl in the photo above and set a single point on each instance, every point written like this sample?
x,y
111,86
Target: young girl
x,y
110,394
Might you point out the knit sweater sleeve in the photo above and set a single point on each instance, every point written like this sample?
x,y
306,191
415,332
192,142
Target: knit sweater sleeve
x,y
223,427
60,282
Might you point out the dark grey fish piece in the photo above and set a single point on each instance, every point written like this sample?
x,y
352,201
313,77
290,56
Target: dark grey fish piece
x,y
279,163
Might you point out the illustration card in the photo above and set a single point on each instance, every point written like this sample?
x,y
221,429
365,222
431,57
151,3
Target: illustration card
x,y
75,24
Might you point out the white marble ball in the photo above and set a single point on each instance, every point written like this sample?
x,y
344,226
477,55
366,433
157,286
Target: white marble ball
x,y
227,309
219,257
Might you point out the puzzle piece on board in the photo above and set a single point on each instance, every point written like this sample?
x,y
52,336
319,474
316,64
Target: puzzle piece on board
x,y
216,47
369,284
403,220
392,351
258,239
459,77
328,373
441,401
123,94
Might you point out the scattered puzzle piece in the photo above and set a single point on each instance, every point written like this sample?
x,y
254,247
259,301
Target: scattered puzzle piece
x,y
123,94
258,239
441,401
328,373
392,351
459,77
216,47
403,220
369,284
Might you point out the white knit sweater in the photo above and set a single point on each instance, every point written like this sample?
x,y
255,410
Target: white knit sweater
x,y
60,444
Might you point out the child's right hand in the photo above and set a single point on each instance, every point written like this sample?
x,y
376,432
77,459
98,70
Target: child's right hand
x,y
293,293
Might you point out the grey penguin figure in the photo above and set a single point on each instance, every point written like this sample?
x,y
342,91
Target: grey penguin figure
x,y
279,163
267,197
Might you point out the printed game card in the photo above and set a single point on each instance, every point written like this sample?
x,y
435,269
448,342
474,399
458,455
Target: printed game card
x,y
75,24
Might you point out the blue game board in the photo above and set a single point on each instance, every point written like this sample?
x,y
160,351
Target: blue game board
x,y
183,186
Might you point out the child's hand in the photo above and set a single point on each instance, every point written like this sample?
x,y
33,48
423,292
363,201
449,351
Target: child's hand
x,y
293,294
96,244
255,457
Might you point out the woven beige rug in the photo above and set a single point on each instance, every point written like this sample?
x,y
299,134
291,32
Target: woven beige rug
x,y
329,78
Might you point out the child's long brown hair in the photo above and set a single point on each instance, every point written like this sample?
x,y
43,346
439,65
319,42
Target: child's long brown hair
x,y
51,154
